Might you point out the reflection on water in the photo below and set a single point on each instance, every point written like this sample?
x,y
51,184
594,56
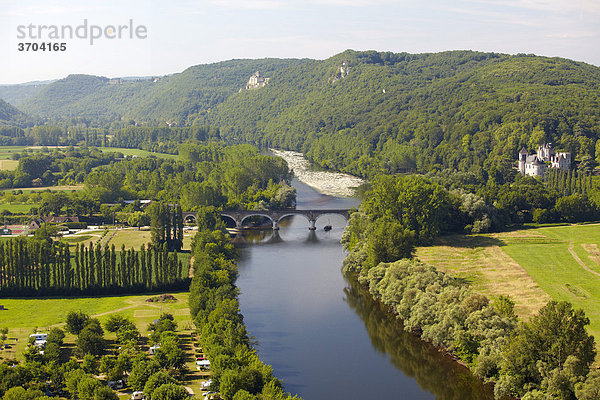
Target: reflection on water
x,y
433,371
322,336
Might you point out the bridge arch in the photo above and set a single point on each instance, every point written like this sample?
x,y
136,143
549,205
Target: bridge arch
x,y
331,213
291,214
190,219
258,214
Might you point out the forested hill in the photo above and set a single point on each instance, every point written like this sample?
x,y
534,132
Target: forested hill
x,y
170,99
362,112
17,94
398,112
9,115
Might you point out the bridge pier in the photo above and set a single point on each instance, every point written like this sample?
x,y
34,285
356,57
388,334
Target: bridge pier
x,y
275,225
312,226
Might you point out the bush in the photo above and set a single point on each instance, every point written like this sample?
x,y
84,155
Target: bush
x,y
75,225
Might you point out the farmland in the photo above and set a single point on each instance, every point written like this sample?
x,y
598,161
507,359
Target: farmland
x,y
531,265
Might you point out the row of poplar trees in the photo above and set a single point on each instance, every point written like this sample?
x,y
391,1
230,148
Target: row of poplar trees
x,y
166,223
31,267
569,182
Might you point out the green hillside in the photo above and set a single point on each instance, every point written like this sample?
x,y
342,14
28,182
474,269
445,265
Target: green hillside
x,y
363,112
398,112
17,94
171,99
9,115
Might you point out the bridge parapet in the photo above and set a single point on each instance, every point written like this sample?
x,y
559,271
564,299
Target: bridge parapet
x,y
275,215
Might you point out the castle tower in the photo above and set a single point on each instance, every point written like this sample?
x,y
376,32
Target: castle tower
x,y
522,159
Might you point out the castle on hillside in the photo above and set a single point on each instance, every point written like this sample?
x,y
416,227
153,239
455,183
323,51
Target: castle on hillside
x,y
257,81
538,164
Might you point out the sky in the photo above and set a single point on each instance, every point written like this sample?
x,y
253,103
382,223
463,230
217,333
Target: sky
x,y
175,35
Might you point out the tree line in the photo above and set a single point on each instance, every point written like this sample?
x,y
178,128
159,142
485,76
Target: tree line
x,y
30,267
548,357
237,372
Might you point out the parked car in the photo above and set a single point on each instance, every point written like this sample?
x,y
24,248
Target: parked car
x,y
115,384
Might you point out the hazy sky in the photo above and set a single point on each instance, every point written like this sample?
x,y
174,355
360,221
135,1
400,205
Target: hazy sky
x,y
189,32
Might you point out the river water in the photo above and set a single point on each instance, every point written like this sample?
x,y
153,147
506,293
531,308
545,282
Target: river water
x,y
324,337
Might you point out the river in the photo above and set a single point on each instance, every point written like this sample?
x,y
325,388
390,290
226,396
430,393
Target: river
x,y
324,337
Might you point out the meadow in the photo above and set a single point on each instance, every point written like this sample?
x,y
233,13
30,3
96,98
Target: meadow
x,y
130,237
531,265
6,152
18,208
8,164
137,152
23,316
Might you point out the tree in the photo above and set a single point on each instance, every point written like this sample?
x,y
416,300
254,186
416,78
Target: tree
x,y
52,351
165,323
56,335
243,395
575,208
170,354
389,241
230,384
86,388
116,322
76,321
155,381
556,333
32,353
138,218
170,391
105,393
90,364
72,379
19,393
590,388
90,341
143,369
46,232
3,335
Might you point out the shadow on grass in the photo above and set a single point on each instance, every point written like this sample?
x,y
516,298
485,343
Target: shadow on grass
x,y
97,296
467,241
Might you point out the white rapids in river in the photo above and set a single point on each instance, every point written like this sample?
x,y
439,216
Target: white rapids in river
x,y
330,183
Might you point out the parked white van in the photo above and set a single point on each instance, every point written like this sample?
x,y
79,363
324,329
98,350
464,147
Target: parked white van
x,y
139,395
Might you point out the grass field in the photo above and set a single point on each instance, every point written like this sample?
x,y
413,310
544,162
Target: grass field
x,y
63,188
21,318
8,165
17,208
531,265
6,152
130,237
137,152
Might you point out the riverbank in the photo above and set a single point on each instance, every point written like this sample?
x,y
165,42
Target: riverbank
x,y
326,182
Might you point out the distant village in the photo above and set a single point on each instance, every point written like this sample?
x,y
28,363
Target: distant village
x,y
538,164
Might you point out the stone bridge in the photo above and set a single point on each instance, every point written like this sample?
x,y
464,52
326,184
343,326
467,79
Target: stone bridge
x,y
274,215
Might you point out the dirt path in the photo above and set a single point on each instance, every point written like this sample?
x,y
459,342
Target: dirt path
x,y
191,269
580,261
